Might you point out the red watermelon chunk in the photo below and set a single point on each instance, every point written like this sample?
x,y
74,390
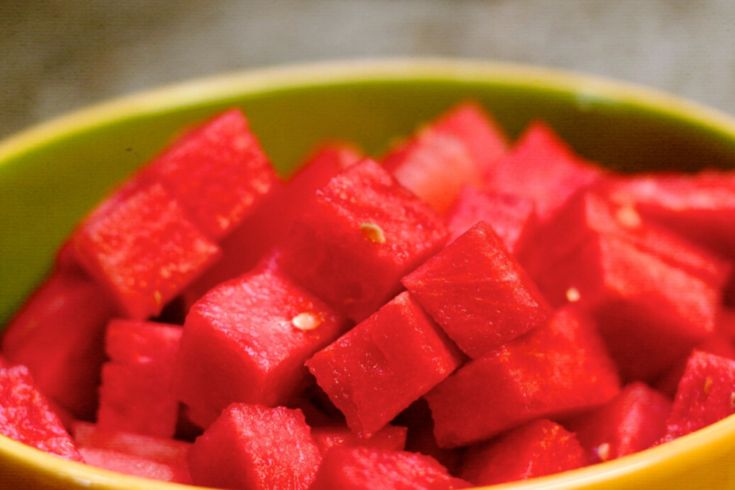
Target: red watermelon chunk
x,y
247,340
136,394
254,447
217,172
144,250
541,168
633,421
59,336
478,293
386,362
390,437
511,217
133,465
380,469
448,154
638,299
271,222
362,233
536,449
556,369
26,416
705,395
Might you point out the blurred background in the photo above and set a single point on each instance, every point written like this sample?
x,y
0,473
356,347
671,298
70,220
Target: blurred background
x,y
60,55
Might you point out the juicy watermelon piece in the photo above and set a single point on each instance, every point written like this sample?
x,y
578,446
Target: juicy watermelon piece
x,y
511,217
635,420
136,394
478,293
536,449
26,416
217,172
271,222
362,233
705,395
386,362
557,369
133,465
379,469
247,340
255,447
59,336
542,168
450,153
390,437
144,250
161,450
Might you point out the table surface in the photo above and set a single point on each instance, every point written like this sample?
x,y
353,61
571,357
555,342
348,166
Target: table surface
x,y
61,55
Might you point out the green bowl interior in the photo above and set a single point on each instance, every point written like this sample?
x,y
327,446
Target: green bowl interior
x,y
48,186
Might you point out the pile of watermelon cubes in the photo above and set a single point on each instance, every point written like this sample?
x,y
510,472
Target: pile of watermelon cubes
x,y
462,311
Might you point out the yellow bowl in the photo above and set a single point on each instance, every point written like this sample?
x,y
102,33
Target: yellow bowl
x,y
51,174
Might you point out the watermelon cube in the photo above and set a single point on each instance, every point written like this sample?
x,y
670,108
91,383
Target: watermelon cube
x,y
26,416
478,293
59,336
361,234
448,154
254,447
390,437
536,449
378,368
133,465
271,221
542,168
217,172
144,250
247,340
513,218
136,394
705,395
557,369
379,469
633,421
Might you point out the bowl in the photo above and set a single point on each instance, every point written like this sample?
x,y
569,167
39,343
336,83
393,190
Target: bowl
x,y
51,174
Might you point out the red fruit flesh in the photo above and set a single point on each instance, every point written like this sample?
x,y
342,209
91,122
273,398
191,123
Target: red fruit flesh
x,y
389,437
133,465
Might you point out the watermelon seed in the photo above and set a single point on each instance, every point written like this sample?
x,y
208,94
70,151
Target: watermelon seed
x,y
157,297
372,232
603,451
707,385
628,217
572,295
306,321
732,400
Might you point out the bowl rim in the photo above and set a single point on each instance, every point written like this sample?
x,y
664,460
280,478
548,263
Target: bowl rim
x,y
681,453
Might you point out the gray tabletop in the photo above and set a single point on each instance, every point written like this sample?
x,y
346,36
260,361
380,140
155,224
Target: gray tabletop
x,y
61,55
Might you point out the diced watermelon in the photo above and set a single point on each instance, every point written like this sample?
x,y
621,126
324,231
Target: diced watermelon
x,y
362,233
638,299
536,449
448,154
217,172
144,250
511,217
247,340
478,293
542,168
271,221
255,447
557,369
390,437
162,450
386,362
26,416
133,465
59,336
705,395
379,469
726,323
635,420
136,394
